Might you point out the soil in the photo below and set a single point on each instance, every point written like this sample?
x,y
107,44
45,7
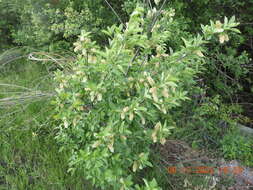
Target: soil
x,y
178,153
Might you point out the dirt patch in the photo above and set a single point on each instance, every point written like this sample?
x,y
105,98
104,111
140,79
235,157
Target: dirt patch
x,y
182,161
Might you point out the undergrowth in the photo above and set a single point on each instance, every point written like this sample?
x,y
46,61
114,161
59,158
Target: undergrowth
x,y
29,155
154,78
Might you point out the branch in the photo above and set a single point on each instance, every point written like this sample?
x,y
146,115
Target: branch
x,y
115,12
148,34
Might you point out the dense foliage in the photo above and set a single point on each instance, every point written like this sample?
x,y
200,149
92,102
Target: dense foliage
x,y
54,24
140,72
118,100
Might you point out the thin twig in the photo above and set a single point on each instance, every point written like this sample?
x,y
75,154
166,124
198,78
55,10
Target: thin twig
x,y
16,86
156,17
132,60
150,4
49,58
24,98
13,59
115,12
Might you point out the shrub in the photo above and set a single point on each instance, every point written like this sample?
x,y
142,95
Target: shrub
x,y
55,24
117,101
7,23
228,69
238,147
208,122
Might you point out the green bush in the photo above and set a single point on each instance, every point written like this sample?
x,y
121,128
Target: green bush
x,y
208,122
229,67
152,74
55,24
117,100
236,147
7,23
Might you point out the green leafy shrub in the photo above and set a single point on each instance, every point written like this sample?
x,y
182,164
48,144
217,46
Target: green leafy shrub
x,y
210,121
43,24
119,100
53,23
8,22
238,147
226,72
230,63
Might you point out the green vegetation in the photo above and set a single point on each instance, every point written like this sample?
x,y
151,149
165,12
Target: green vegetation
x,y
91,90
30,157
237,147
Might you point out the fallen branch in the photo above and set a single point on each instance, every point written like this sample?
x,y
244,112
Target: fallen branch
x,y
27,97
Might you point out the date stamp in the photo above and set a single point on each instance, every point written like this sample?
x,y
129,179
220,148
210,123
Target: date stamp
x,y
235,170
